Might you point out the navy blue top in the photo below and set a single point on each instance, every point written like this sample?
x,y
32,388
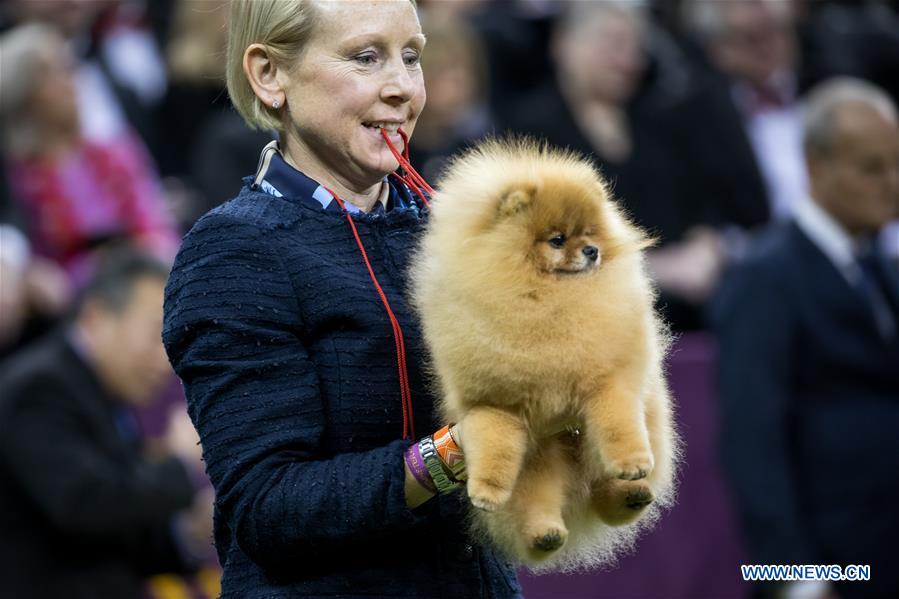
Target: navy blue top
x,y
288,362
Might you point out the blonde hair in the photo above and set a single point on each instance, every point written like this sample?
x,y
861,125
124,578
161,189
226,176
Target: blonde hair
x,y
21,50
283,27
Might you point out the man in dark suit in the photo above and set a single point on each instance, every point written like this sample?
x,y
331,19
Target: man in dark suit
x,y
808,327
738,132
83,511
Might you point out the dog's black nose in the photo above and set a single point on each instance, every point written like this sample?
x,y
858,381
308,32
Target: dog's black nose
x,y
591,252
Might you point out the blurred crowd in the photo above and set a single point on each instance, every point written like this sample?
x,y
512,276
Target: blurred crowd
x,y
117,134
116,124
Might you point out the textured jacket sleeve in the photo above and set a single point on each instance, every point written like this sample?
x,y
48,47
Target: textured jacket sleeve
x,y
233,334
756,329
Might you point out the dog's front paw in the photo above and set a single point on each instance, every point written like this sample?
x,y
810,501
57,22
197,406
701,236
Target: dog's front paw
x,y
487,495
633,467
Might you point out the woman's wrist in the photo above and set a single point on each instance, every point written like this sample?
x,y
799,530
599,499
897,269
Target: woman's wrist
x,y
441,474
416,467
450,452
435,464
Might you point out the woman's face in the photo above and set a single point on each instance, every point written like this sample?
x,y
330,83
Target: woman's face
x,y
359,70
52,102
602,57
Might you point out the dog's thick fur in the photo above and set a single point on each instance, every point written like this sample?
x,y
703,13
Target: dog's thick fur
x,y
526,333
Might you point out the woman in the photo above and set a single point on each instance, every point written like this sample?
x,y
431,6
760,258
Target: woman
x,y
74,194
455,70
607,101
286,320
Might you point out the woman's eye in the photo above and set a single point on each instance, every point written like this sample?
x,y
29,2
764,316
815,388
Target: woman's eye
x,y
557,242
369,58
412,59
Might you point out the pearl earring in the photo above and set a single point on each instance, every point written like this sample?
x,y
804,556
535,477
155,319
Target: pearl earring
x,y
275,104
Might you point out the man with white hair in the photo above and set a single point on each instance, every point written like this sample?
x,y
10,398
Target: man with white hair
x,y
808,327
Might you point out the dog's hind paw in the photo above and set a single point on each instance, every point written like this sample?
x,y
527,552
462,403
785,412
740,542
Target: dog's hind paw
x,y
552,540
619,502
638,498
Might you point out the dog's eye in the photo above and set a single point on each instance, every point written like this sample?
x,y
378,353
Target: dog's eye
x,y
557,242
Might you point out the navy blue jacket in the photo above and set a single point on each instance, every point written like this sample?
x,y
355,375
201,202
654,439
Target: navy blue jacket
x,y
287,358
810,392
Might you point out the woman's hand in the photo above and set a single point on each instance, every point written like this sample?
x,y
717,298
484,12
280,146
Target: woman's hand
x,y
416,493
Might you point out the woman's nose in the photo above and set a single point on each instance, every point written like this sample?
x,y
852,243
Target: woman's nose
x,y
399,85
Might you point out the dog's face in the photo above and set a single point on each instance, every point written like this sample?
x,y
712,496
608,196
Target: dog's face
x,y
568,251
559,226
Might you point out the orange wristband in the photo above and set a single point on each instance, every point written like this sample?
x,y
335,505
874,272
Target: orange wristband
x,y
449,452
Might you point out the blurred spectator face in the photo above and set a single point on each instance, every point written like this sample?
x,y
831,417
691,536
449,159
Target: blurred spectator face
x,y
857,182
452,90
52,102
601,56
453,71
71,17
38,104
755,40
457,9
13,307
128,351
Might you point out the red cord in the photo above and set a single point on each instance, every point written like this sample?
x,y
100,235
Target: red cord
x,y
411,174
405,390
414,182
410,183
407,166
412,186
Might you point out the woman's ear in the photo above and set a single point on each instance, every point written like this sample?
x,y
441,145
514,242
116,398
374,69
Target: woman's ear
x,y
262,73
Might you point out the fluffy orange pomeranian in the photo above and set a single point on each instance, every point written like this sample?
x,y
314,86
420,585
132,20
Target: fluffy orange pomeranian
x,y
537,312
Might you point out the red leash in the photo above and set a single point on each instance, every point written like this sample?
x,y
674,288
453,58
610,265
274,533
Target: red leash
x,y
412,179
414,182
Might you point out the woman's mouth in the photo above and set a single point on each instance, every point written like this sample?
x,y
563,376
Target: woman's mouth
x,y
375,129
392,128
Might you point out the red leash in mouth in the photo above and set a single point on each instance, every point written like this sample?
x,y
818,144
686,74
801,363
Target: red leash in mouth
x,y
412,179
416,183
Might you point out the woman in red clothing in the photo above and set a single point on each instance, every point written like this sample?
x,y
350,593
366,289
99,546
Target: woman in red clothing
x,y
74,194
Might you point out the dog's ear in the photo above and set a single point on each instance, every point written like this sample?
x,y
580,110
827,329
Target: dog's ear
x,y
516,200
